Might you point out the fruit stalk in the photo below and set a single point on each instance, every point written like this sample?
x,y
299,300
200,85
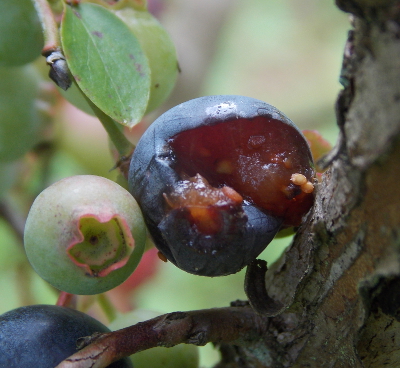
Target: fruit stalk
x,y
106,306
67,300
121,143
234,325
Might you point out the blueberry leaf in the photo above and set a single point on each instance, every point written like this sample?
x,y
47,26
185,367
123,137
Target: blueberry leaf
x,y
107,62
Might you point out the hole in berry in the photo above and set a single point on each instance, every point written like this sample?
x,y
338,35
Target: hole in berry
x,y
203,203
254,157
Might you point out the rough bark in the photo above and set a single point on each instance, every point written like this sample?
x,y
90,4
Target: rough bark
x,y
340,279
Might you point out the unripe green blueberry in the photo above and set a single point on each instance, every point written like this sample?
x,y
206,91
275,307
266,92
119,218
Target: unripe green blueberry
x,y
20,121
84,234
44,335
159,49
178,356
21,33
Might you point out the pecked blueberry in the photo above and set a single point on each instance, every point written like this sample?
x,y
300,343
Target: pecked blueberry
x,y
217,177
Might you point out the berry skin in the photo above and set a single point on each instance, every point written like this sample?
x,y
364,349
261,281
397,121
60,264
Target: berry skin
x,y
213,177
44,335
84,234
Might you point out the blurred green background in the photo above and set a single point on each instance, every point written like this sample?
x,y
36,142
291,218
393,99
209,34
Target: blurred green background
x,y
287,53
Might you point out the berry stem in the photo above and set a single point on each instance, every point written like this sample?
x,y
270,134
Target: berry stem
x,y
121,143
106,306
67,300
24,277
233,325
49,26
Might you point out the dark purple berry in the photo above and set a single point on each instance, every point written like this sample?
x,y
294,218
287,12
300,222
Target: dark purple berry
x,y
44,335
217,177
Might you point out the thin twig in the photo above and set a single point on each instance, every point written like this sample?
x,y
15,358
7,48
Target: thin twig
x,y
235,325
67,300
50,27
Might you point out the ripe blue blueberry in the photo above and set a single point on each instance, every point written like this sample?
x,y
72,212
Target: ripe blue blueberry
x,y
44,335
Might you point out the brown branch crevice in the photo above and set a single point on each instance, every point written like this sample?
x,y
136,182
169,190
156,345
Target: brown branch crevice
x,y
233,325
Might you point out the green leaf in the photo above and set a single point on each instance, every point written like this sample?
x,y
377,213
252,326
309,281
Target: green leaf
x,y
107,62
21,37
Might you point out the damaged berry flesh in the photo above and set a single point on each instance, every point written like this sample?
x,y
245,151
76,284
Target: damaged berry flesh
x,y
217,177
